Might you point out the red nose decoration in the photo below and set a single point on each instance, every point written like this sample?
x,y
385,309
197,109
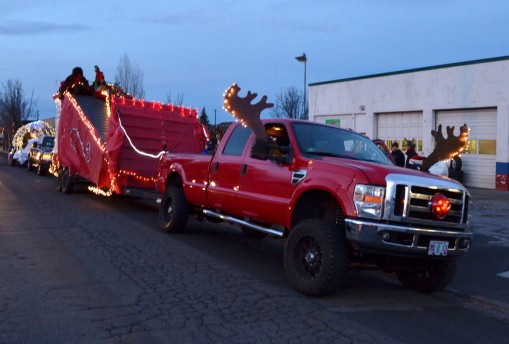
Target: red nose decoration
x,y
440,206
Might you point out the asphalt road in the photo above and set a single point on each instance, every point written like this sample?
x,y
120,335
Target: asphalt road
x,y
83,268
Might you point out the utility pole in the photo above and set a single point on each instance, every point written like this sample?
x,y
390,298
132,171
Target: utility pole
x,y
303,58
215,123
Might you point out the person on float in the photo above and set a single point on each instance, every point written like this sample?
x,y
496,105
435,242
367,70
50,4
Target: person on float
x,y
75,83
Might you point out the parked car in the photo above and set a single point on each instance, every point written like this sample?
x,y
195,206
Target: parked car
x,y
40,154
381,145
23,140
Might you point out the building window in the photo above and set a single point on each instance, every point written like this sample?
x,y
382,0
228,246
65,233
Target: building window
x,y
487,147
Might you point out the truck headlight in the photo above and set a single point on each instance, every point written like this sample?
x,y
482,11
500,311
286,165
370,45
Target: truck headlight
x,y
368,200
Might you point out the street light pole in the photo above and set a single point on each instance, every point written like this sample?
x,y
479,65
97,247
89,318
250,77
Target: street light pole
x,y
215,123
303,58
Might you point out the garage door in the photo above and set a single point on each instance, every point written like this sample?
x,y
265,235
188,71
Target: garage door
x,y
396,126
479,162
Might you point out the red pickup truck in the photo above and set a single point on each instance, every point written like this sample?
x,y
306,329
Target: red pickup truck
x,y
332,194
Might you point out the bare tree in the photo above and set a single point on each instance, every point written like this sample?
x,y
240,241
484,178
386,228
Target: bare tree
x,y
179,99
130,77
289,104
15,107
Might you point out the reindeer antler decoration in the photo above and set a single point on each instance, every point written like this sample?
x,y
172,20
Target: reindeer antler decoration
x,y
446,148
249,114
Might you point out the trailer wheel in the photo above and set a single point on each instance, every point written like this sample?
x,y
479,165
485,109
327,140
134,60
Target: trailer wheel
x,y
59,180
67,184
431,278
173,211
316,257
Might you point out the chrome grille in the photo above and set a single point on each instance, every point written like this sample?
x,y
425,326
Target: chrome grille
x,y
409,201
420,199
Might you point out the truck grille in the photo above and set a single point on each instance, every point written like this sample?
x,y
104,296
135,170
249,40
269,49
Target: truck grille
x,y
409,200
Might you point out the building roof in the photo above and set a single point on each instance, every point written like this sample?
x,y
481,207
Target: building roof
x,y
449,65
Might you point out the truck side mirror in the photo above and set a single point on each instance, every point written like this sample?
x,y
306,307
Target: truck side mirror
x,y
260,150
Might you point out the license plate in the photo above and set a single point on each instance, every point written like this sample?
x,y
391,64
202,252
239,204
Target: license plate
x,y
438,248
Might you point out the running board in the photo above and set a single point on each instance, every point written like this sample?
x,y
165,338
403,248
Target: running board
x,y
243,223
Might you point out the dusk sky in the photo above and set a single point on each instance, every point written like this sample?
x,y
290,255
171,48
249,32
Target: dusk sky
x,y
199,48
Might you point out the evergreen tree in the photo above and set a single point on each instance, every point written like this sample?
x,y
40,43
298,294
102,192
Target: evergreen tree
x,y
204,119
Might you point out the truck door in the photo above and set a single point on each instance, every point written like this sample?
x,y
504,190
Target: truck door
x,y
225,172
265,187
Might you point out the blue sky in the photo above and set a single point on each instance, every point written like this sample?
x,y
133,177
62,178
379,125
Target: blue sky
x,y
199,48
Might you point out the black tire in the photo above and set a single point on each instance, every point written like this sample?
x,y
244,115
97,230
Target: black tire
x,y
67,184
433,277
59,180
316,257
252,233
39,170
173,211
29,164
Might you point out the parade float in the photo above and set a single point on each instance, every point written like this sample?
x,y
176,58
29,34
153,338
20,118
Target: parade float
x,y
24,138
113,141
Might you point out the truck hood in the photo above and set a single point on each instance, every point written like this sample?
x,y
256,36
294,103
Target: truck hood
x,y
375,172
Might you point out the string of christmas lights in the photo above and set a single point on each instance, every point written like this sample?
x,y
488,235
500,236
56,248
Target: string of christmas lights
x,y
110,100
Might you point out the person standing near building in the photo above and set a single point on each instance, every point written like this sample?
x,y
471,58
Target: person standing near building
x,y
397,155
410,153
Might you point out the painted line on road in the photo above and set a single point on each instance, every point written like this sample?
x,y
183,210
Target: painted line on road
x,y
504,274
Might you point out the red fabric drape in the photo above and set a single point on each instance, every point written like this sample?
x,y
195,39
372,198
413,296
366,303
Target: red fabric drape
x,y
79,148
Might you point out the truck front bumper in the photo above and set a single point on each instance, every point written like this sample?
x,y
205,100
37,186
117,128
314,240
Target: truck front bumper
x,y
45,163
403,240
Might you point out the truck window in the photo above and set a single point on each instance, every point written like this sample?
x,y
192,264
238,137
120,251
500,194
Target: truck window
x,y
237,141
321,140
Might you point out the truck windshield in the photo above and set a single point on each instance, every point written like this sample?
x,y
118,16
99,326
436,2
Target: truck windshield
x,y
323,140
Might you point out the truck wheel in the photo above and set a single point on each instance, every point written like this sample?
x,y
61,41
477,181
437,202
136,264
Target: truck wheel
x,y
173,211
316,257
39,170
67,184
432,278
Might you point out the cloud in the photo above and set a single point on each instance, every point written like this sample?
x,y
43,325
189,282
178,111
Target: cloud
x,y
180,18
22,28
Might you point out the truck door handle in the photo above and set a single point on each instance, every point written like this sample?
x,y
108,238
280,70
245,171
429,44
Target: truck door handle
x,y
243,169
216,167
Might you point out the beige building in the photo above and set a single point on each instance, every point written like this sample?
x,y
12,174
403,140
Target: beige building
x,y
411,103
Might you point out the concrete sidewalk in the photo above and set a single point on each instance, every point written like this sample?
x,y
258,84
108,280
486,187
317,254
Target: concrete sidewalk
x,y
490,215
488,194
